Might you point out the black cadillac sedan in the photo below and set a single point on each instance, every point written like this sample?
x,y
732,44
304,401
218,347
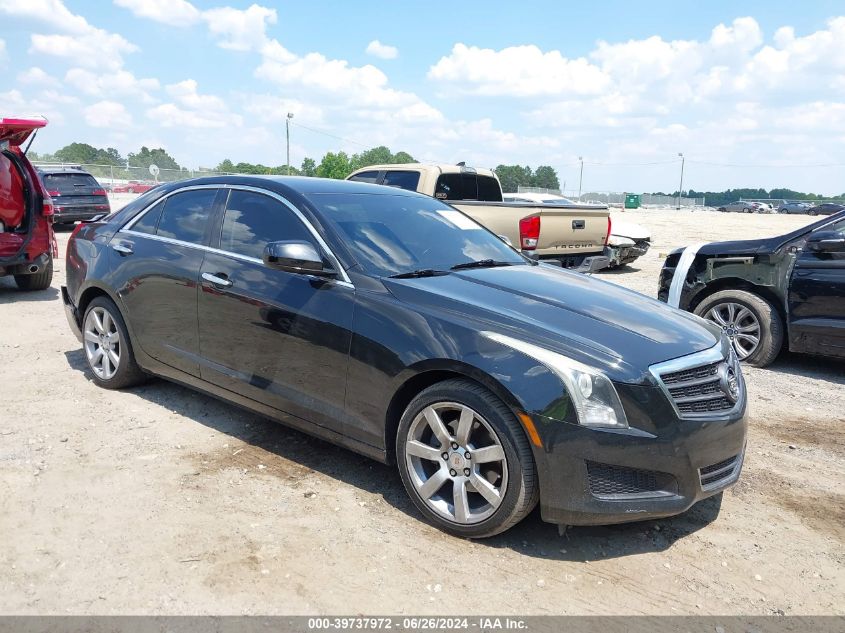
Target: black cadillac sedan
x,y
394,325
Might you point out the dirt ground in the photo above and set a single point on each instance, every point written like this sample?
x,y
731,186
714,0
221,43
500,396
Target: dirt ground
x,y
158,500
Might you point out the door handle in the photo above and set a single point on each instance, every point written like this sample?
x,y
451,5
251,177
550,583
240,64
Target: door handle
x,y
218,280
124,248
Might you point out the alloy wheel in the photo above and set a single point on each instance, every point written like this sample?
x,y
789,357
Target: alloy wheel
x,y
456,463
102,343
739,324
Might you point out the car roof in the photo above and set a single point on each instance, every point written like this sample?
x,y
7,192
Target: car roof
x,y
62,170
297,186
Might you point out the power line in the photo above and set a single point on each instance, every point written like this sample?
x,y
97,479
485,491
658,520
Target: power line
x,y
769,165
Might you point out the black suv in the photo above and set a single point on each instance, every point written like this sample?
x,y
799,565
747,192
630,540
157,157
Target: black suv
x,y
76,194
761,292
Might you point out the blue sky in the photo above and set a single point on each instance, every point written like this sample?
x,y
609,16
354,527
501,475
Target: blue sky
x,y
752,93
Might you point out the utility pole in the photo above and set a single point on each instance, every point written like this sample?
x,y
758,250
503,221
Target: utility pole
x,y
287,134
681,187
581,177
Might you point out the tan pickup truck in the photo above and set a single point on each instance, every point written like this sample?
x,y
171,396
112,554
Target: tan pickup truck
x,y
575,235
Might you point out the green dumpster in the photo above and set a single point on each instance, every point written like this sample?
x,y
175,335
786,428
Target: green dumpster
x,y
632,201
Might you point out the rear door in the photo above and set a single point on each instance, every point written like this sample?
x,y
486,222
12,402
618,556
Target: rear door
x,y
279,338
156,262
817,301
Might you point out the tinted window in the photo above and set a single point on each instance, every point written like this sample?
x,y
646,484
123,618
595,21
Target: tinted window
x,y
402,179
390,234
489,189
366,176
149,221
185,215
252,219
69,181
467,186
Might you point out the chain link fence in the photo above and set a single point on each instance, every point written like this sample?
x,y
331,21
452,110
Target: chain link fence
x,y
617,198
113,176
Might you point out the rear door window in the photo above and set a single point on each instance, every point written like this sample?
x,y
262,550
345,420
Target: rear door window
x,y
149,221
366,176
186,214
252,220
403,179
467,186
69,182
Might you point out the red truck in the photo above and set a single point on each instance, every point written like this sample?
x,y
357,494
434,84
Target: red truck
x,y
27,242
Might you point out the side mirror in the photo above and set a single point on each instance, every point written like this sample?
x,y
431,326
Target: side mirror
x,y
295,257
826,242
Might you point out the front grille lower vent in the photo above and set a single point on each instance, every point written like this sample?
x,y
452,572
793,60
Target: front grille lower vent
x,y
718,475
612,481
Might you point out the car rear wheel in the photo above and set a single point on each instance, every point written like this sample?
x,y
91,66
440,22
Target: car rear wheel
x,y
465,461
108,350
753,326
37,281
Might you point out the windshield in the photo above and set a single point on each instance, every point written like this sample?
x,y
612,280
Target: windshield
x,y
390,235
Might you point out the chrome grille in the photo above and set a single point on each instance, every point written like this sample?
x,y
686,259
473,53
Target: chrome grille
x,y
701,384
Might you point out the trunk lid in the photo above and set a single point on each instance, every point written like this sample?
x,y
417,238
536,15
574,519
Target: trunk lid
x,y
15,131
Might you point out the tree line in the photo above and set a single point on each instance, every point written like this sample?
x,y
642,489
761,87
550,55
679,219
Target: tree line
x,y
340,164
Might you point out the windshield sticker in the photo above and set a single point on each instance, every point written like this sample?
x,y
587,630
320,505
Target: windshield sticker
x,y
460,220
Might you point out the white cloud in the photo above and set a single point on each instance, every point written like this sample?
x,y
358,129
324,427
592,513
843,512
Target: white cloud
x,y
50,104
116,83
522,71
193,110
240,30
78,40
107,114
384,51
52,12
2,50
35,75
173,12
97,49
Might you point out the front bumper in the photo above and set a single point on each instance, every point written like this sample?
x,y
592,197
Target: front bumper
x,y
71,314
659,467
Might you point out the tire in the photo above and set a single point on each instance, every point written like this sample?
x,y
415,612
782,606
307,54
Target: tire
x,y
768,320
722,210
811,212
38,281
106,373
746,210
493,426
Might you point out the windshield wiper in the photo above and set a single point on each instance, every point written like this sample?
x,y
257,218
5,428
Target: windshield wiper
x,y
483,263
423,272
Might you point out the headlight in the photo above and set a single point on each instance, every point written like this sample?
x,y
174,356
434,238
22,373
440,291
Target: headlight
x,y
592,393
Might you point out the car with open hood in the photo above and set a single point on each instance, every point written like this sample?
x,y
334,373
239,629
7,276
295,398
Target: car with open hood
x,y
393,324
786,291
27,242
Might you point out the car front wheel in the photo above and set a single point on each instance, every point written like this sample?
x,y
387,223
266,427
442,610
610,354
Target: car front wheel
x,y
108,350
753,326
465,461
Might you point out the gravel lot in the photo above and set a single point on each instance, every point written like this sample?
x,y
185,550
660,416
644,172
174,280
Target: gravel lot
x,y
158,500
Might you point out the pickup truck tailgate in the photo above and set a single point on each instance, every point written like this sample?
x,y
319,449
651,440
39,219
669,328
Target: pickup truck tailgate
x,y
571,229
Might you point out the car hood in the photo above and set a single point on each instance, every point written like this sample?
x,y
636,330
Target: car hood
x,y
742,247
604,325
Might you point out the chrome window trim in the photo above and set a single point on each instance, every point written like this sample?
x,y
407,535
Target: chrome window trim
x,y
127,228
721,351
